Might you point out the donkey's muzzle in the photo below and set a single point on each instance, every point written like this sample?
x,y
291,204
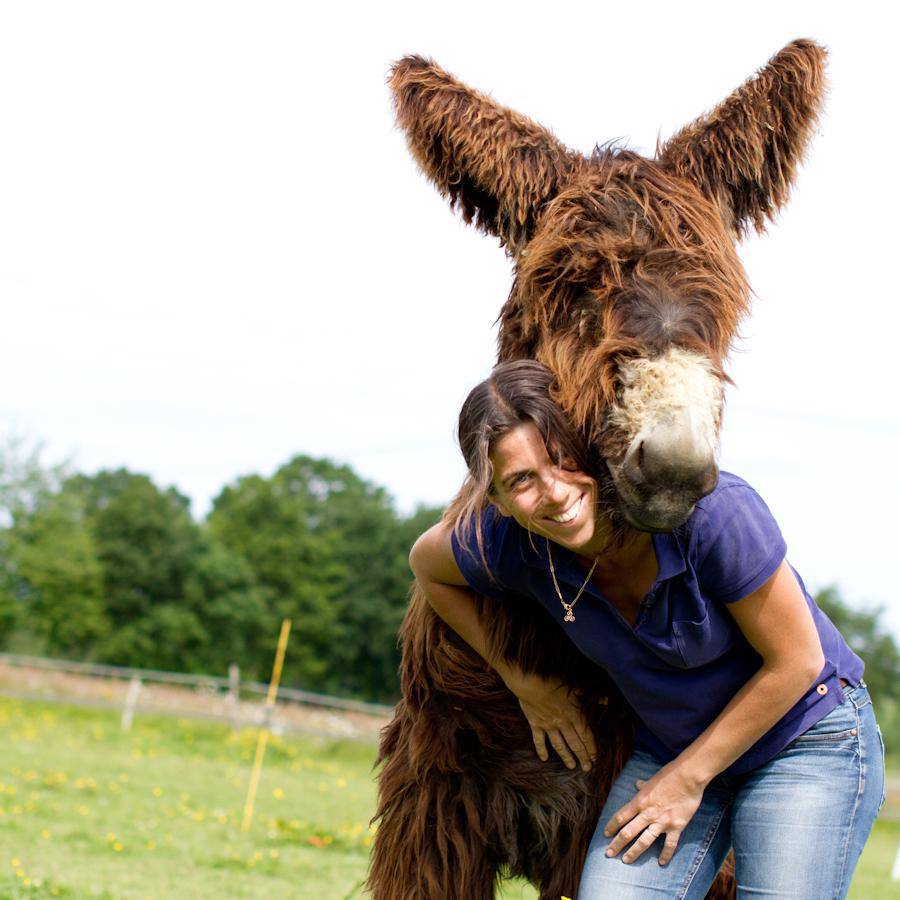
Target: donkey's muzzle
x,y
665,472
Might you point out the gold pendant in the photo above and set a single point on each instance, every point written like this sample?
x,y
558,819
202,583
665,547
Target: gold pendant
x,y
569,616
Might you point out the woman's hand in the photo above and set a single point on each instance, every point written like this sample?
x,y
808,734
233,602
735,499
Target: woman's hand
x,y
664,804
553,711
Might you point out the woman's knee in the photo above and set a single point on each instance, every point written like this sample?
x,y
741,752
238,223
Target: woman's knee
x,y
703,847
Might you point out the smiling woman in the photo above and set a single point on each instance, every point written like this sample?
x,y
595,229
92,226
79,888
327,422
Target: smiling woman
x,y
543,494
752,717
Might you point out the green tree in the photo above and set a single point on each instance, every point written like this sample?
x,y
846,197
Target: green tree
x,y
374,598
330,552
24,479
58,576
148,546
863,631
25,482
275,526
234,610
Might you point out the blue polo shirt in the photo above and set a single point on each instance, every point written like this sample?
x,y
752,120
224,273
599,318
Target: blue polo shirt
x,y
685,656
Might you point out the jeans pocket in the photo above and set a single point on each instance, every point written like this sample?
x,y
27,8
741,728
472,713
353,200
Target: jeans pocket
x,y
840,725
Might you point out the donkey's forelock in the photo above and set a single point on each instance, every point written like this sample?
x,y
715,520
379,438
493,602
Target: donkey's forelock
x,y
627,258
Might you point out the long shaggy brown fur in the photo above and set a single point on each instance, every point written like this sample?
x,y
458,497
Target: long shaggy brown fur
x,y
745,153
616,256
494,164
622,249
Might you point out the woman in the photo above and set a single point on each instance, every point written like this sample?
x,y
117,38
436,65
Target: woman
x,y
754,727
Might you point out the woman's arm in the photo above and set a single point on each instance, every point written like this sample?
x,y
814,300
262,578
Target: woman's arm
x,y
547,704
777,622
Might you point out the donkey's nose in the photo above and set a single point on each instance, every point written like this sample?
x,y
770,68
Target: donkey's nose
x,y
671,456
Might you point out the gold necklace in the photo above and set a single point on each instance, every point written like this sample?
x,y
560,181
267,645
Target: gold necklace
x,y
569,616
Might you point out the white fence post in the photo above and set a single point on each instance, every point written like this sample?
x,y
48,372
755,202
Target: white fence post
x,y
234,694
134,688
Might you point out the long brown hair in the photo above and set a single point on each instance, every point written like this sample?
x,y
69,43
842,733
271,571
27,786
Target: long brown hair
x,y
515,393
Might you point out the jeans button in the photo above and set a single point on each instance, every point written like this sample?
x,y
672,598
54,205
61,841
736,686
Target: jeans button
x,y
822,689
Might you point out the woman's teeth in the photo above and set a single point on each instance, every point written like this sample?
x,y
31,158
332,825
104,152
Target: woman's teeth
x,y
567,516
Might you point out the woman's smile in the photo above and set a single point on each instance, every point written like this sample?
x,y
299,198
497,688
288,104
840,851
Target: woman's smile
x,y
568,516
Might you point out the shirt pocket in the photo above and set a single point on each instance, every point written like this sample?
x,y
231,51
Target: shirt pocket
x,y
701,642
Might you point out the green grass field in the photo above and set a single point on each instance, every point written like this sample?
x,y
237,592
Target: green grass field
x,y
89,811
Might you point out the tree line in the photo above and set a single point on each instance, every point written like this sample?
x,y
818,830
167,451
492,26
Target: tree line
x,y
111,567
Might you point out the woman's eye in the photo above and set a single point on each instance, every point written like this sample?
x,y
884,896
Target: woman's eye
x,y
520,480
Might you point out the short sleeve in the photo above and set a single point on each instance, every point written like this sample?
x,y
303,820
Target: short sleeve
x,y
739,544
484,580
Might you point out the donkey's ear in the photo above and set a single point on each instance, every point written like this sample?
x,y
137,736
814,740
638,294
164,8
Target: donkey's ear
x,y
744,154
496,166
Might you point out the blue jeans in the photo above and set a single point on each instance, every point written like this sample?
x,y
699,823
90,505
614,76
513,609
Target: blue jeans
x,y
797,823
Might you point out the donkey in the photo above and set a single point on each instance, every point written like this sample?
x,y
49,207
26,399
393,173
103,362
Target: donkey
x,y
627,285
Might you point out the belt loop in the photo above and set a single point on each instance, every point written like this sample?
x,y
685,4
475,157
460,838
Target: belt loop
x,y
853,696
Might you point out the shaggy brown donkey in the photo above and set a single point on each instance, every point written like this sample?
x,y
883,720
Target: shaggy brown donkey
x,y
628,286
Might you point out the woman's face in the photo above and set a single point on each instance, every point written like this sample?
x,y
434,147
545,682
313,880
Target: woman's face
x,y
542,495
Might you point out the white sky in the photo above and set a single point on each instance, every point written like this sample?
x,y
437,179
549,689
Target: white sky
x,y
215,250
